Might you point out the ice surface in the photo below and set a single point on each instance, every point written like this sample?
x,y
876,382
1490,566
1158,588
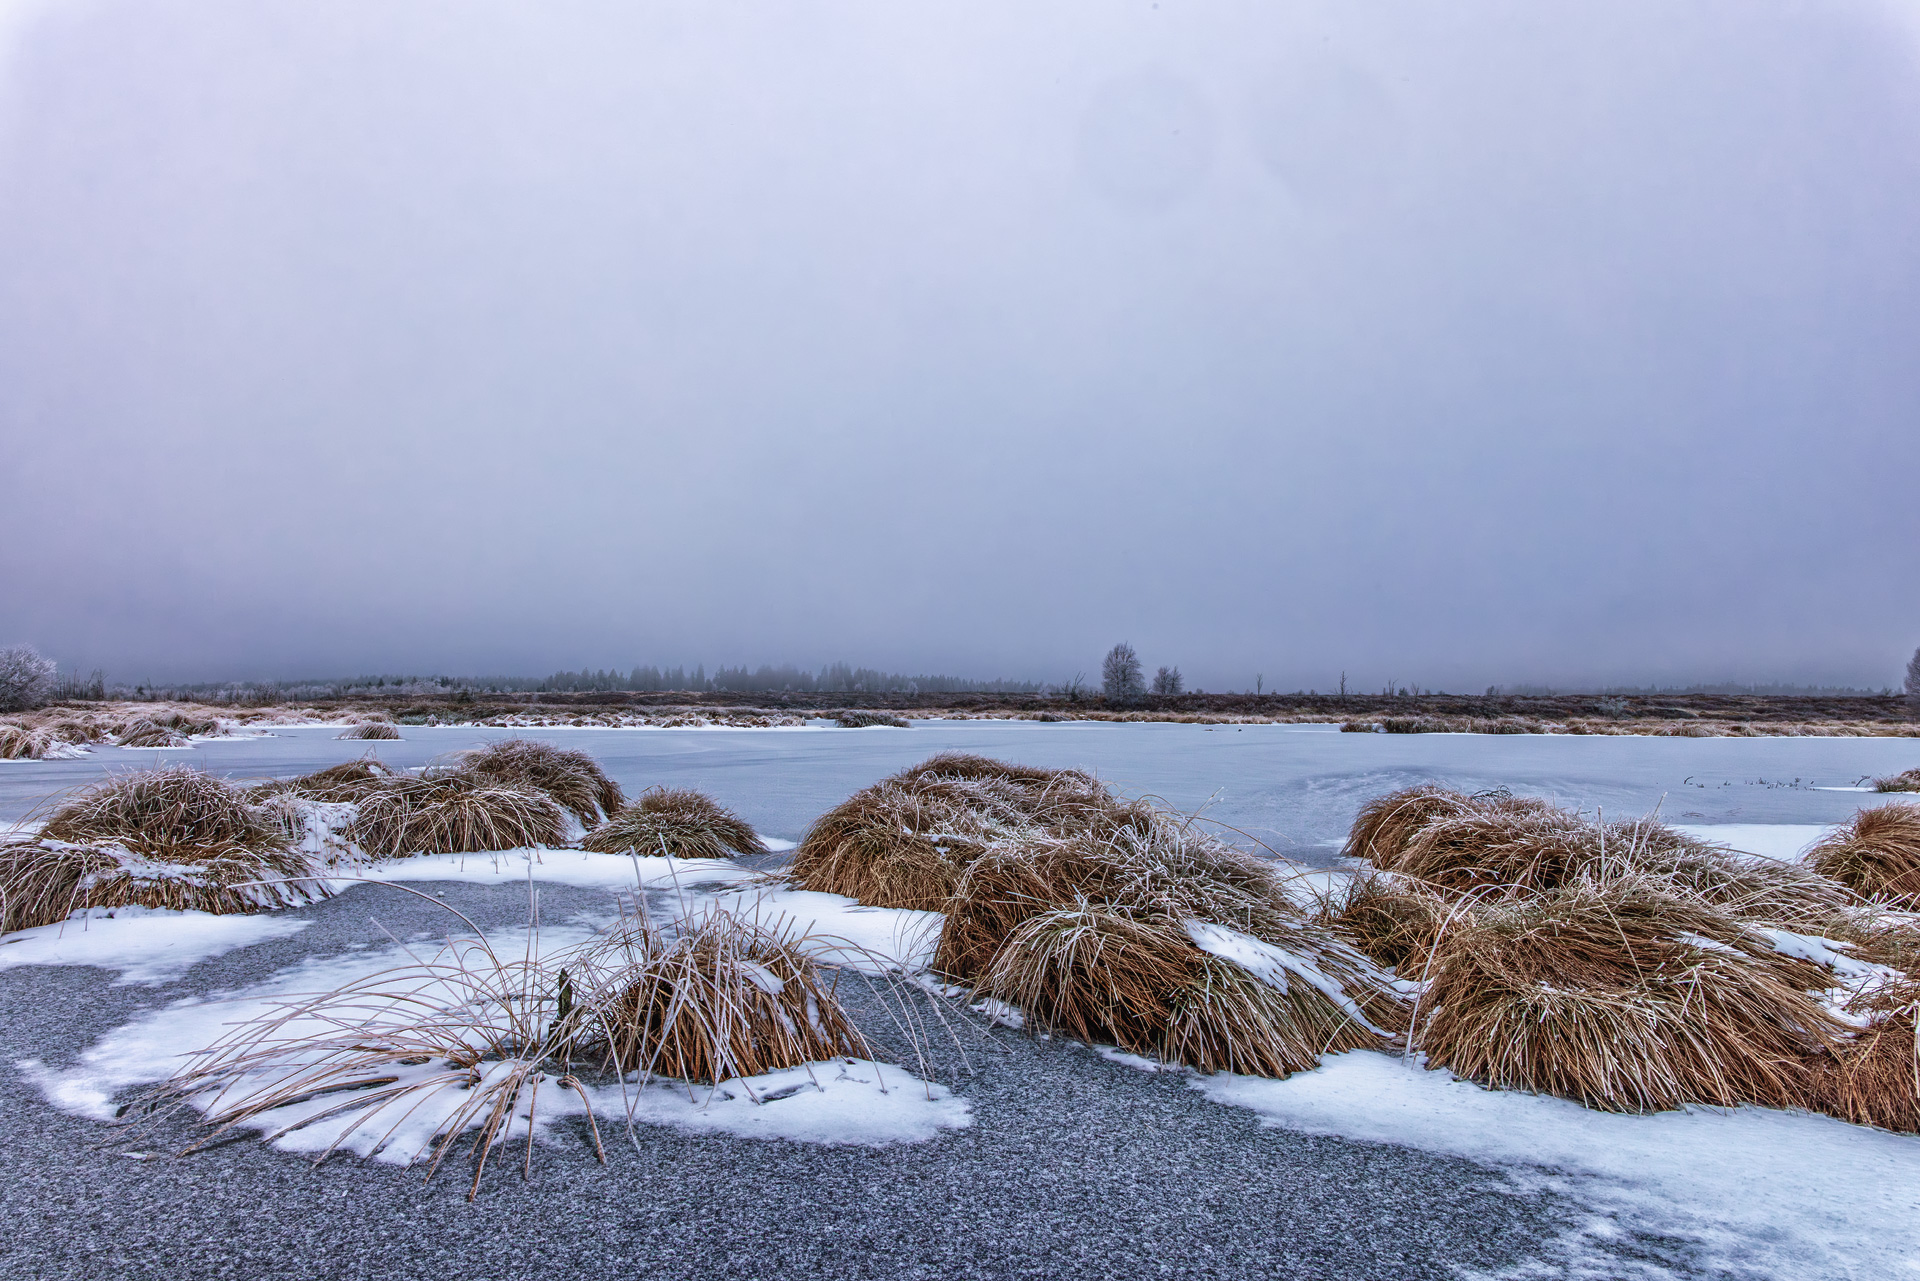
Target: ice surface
x,y
146,945
1783,841
1753,1192
582,869
1295,787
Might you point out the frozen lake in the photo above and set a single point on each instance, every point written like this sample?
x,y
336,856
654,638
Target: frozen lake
x,y
1294,787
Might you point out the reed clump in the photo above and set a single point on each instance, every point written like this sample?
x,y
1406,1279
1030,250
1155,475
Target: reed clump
x,y
904,841
380,730
476,1039
1873,1078
572,778
453,812
1624,997
1877,855
854,719
1906,781
724,996
1152,935
678,823
146,733
169,838
346,783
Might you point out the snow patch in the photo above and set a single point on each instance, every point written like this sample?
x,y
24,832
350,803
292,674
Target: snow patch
x,y
144,944
1755,1192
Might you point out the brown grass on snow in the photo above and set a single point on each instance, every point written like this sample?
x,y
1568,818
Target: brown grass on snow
x,y
678,823
150,734
1909,781
370,730
1877,855
171,838
1460,844
904,841
1874,1078
345,782
453,813
725,996
572,778
471,1035
1623,997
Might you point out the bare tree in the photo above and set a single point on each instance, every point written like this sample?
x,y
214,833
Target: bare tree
x,y
26,679
1121,679
1167,681
1913,683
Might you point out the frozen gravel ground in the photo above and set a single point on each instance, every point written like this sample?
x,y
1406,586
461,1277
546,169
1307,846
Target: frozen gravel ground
x,y
1073,1167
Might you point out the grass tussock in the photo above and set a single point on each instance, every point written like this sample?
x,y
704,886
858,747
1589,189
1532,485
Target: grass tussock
x,y
724,996
1874,1078
1877,855
474,1040
347,782
455,812
678,823
904,841
572,778
1105,919
1496,842
869,720
1156,937
1624,997
381,730
18,743
150,734
1907,781
168,838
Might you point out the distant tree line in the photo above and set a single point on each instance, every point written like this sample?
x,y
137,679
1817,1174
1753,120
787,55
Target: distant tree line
x,y
834,678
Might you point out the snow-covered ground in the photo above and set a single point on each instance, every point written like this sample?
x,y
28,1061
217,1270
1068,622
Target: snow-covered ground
x,y
1756,1192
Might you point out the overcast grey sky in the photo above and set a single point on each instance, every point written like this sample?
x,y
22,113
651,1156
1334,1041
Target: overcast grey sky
x,y
1452,342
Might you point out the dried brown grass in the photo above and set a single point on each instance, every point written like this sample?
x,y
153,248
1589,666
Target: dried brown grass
x,y
1877,854
370,730
453,812
169,838
349,781
146,733
572,778
724,996
1908,781
18,743
677,823
1622,996
1874,1077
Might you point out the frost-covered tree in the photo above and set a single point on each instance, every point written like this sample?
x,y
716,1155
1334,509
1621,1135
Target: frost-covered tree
x,y
1121,679
1913,683
26,679
1167,681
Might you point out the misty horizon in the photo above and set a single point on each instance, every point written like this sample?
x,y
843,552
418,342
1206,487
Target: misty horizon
x,y
1568,347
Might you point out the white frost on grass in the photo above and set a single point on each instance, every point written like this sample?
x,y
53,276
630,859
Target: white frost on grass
x,y
1755,1192
145,945
1783,842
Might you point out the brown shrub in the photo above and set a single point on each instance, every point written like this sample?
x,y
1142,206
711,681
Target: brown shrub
x,y
678,823
1877,855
